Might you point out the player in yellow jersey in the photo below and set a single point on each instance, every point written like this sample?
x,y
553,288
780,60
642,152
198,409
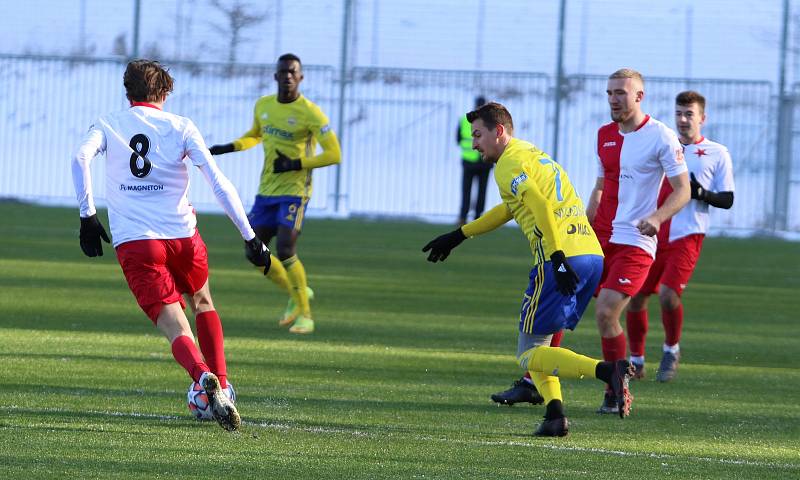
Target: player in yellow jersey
x,y
567,259
288,125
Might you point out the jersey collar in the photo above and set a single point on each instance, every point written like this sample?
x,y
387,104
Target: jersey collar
x,y
144,104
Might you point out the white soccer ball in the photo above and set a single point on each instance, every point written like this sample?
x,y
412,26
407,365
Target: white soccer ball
x,y
197,400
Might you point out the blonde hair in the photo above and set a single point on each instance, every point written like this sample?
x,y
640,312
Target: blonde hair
x,y
628,73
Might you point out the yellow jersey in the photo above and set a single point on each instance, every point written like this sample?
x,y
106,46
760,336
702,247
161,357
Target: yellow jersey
x,y
293,128
540,197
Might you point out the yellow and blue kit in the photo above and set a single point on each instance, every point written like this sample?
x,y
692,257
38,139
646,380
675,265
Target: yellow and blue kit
x,y
539,196
293,129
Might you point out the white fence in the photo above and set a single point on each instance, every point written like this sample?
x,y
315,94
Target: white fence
x,y
400,157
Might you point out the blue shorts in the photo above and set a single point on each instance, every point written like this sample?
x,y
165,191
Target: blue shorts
x,y
273,211
544,310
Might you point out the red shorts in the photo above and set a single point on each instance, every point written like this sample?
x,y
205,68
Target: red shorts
x,y
625,268
674,264
159,271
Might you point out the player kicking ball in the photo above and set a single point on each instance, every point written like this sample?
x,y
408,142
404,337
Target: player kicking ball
x,y
568,262
154,226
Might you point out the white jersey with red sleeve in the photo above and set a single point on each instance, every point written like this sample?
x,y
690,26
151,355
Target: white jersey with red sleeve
x,y
711,165
147,178
647,154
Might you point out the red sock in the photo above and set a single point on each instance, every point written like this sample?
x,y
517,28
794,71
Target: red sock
x,y
556,341
614,347
187,355
209,335
673,325
636,325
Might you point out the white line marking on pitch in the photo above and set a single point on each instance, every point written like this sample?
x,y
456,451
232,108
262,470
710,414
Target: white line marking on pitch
x,y
359,433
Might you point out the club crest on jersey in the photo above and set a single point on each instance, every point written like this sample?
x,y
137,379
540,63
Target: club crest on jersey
x,y
264,116
291,121
516,181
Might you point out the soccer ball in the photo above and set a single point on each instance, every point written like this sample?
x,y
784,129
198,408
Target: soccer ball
x,y
197,400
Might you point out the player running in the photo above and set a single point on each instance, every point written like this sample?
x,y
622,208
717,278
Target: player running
x,y
681,238
568,261
288,125
635,151
154,226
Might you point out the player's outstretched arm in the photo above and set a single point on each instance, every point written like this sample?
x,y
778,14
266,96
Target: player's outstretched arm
x,y
715,199
222,149
491,220
441,246
250,139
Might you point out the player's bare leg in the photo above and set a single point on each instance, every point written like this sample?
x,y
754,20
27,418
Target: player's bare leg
x,y
608,308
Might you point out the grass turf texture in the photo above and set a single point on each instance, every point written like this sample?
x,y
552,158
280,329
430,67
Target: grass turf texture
x,y
395,382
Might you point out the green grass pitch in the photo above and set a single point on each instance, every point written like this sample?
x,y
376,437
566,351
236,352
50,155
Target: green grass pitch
x,y
395,383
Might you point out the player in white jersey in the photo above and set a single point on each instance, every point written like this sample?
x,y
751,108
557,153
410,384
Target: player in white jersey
x,y
680,239
642,150
153,224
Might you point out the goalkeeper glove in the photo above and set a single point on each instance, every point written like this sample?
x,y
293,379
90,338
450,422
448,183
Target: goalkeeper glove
x,y
257,253
698,192
222,149
440,246
285,164
91,233
566,278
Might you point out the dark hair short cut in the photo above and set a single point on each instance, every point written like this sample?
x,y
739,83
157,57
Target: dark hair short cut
x,y
146,81
689,97
492,114
289,57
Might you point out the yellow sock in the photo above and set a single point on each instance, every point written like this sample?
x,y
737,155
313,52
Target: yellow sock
x,y
561,362
277,273
297,280
548,386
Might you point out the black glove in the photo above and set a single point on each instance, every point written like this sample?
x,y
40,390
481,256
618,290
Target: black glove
x,y
698,192
285,164
257,253
566,278
440,246
222,149
91,233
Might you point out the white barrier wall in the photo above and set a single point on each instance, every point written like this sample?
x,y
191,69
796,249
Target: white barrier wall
x,y
400,157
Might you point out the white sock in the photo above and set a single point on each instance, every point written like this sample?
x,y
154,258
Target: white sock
x,y
637,360
672,349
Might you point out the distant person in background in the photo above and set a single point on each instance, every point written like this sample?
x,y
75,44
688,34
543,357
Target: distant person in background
x,y
634,153
472,168
681,238
154,226
288,126
567,259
